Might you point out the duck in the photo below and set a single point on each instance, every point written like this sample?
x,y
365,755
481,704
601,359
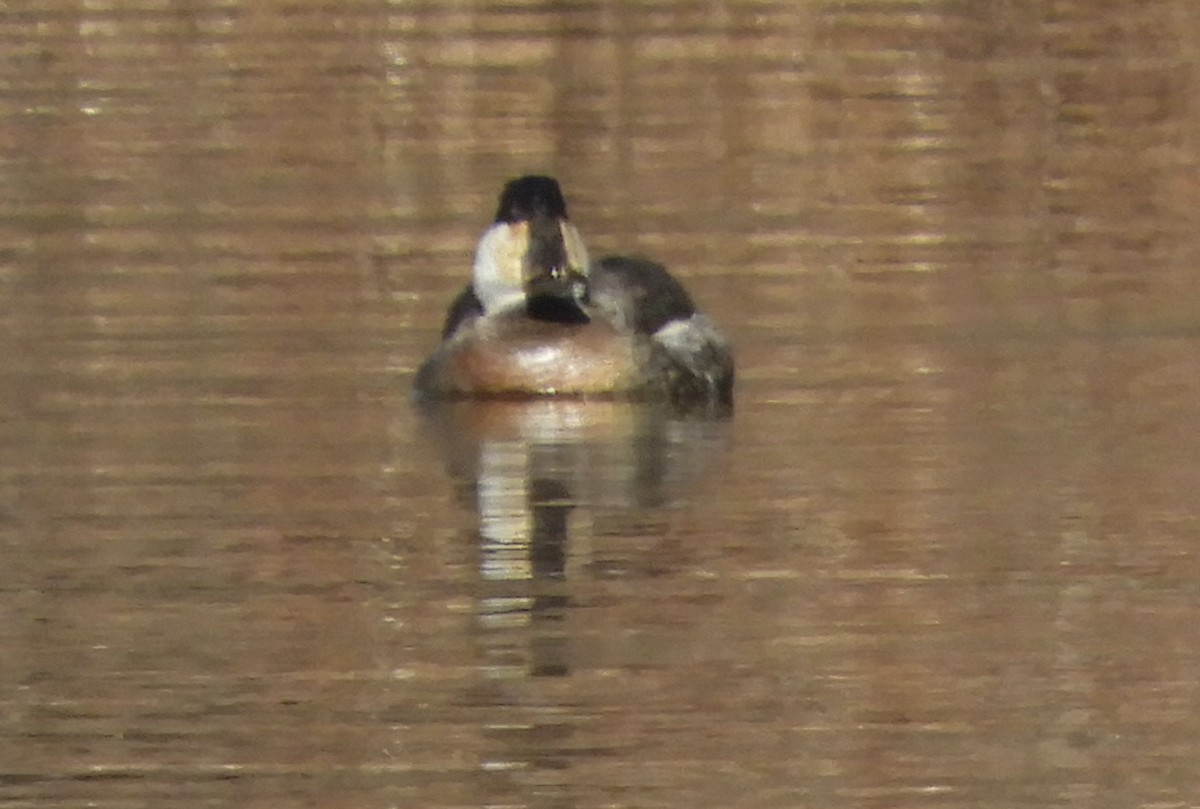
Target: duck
x,y
540,318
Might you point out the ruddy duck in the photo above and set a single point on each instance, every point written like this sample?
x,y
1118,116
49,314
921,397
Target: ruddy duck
x,y
540,318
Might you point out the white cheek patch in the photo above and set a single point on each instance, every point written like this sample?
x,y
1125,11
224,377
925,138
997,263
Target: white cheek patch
x,y
577,254
498,277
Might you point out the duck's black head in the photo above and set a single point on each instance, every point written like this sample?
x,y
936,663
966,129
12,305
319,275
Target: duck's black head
x,y
533,252
531,196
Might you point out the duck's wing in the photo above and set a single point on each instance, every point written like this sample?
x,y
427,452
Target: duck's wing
x,y
466,306
638,293
641,295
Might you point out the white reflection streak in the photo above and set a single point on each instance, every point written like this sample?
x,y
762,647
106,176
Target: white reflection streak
x,y
504,517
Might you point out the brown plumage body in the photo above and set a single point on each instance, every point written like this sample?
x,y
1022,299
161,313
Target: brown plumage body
x,y
511,354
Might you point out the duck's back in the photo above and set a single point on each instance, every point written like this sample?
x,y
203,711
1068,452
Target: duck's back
x,y
637,294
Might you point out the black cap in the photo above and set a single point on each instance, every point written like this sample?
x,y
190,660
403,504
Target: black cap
x,y
527,196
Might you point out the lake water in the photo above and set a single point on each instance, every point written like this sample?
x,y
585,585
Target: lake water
x,y
943,554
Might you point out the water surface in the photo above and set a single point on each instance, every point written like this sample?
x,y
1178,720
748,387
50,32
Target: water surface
x,y
942,554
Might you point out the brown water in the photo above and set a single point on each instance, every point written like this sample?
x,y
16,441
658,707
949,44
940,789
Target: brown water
x,y
943,555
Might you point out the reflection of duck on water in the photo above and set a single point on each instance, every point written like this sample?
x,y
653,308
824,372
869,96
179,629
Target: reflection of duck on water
x,y
540,319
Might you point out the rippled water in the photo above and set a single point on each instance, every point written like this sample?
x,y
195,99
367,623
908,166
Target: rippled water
x,y
943,553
